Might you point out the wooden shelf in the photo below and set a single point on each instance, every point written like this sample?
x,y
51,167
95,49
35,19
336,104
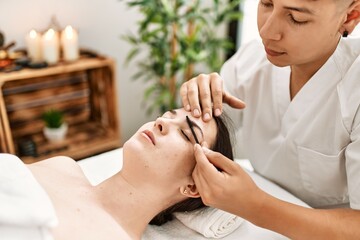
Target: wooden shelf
x,y
82,140
64,67
84,90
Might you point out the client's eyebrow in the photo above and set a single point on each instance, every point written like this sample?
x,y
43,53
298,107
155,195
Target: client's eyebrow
x,y
299,9
191,126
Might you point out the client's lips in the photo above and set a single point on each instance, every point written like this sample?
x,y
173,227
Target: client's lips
x,y
150,135
272,52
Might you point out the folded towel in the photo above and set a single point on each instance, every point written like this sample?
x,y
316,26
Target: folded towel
x,y
210,222
24,204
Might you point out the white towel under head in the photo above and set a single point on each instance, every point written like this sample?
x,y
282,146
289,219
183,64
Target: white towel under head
x,y
210,222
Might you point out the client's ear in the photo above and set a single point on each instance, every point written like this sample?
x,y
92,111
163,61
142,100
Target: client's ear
x,y
190,190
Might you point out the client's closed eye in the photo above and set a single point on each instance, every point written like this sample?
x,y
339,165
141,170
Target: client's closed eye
x,y
184,134
191,126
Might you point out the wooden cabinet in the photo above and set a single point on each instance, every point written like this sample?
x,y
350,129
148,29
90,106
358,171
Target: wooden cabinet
x,y
84,90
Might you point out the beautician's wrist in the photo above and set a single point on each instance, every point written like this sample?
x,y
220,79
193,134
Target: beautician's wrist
x,y
258,201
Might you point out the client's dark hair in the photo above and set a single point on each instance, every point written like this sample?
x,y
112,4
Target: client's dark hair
x,y
222,145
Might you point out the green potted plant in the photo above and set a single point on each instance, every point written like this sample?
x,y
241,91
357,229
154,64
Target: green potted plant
x,y
55,127
174,37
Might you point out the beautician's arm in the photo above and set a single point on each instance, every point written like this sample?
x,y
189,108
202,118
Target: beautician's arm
x,y
234,191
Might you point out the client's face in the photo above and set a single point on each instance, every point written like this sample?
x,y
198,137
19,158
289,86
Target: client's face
x,y
164,148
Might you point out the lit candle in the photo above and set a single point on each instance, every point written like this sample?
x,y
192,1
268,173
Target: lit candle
x,y
50,46
33,44
70,44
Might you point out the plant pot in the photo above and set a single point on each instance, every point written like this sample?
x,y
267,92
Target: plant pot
x,y
56,134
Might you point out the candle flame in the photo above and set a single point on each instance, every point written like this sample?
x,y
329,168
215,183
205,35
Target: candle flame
x,y
50,34
69,32
33,34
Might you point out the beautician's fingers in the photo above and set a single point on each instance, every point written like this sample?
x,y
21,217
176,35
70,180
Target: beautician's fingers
x,y
189,93
204,144
200,181
209,181
220,161
202,163
216,85
204,174
226,189
232,101
204,187
205,96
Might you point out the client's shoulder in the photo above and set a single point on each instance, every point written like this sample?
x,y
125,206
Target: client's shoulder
x,y
56,161
62,164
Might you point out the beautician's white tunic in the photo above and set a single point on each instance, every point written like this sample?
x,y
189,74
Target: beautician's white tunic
x,y
310,145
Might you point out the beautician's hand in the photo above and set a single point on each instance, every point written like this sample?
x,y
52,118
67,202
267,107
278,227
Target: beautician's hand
x,y
205,90
231,189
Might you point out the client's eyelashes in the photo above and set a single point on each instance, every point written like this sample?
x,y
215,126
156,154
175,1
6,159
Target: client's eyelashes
x,y
190,124
184,134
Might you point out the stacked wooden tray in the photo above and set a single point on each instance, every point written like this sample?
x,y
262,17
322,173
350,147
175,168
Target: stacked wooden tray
x,y
84,90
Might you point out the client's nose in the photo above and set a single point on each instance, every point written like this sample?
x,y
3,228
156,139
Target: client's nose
x,y
162,125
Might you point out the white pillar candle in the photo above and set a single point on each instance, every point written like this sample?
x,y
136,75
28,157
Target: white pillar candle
x,y
33,44
50,46
70,44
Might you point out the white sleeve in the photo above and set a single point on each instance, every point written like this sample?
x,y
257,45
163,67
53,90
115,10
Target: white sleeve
x,y
237,73
352,155
228,74
349,95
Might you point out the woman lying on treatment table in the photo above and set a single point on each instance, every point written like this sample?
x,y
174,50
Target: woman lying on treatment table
x,y
155,178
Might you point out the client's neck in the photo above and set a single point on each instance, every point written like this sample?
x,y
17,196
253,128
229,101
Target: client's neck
x,y
132,207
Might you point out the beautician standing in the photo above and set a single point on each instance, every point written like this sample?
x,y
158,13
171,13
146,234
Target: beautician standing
x,y
301,124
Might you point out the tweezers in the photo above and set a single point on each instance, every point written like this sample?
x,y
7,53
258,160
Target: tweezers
x,y
192,129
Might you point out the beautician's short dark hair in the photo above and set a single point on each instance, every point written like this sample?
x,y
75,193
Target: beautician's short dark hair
x,y
222,145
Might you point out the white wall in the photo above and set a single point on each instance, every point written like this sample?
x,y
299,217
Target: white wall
x,y
100,24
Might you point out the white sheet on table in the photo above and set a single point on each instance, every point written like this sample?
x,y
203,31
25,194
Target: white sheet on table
x,y
26,211
100,167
